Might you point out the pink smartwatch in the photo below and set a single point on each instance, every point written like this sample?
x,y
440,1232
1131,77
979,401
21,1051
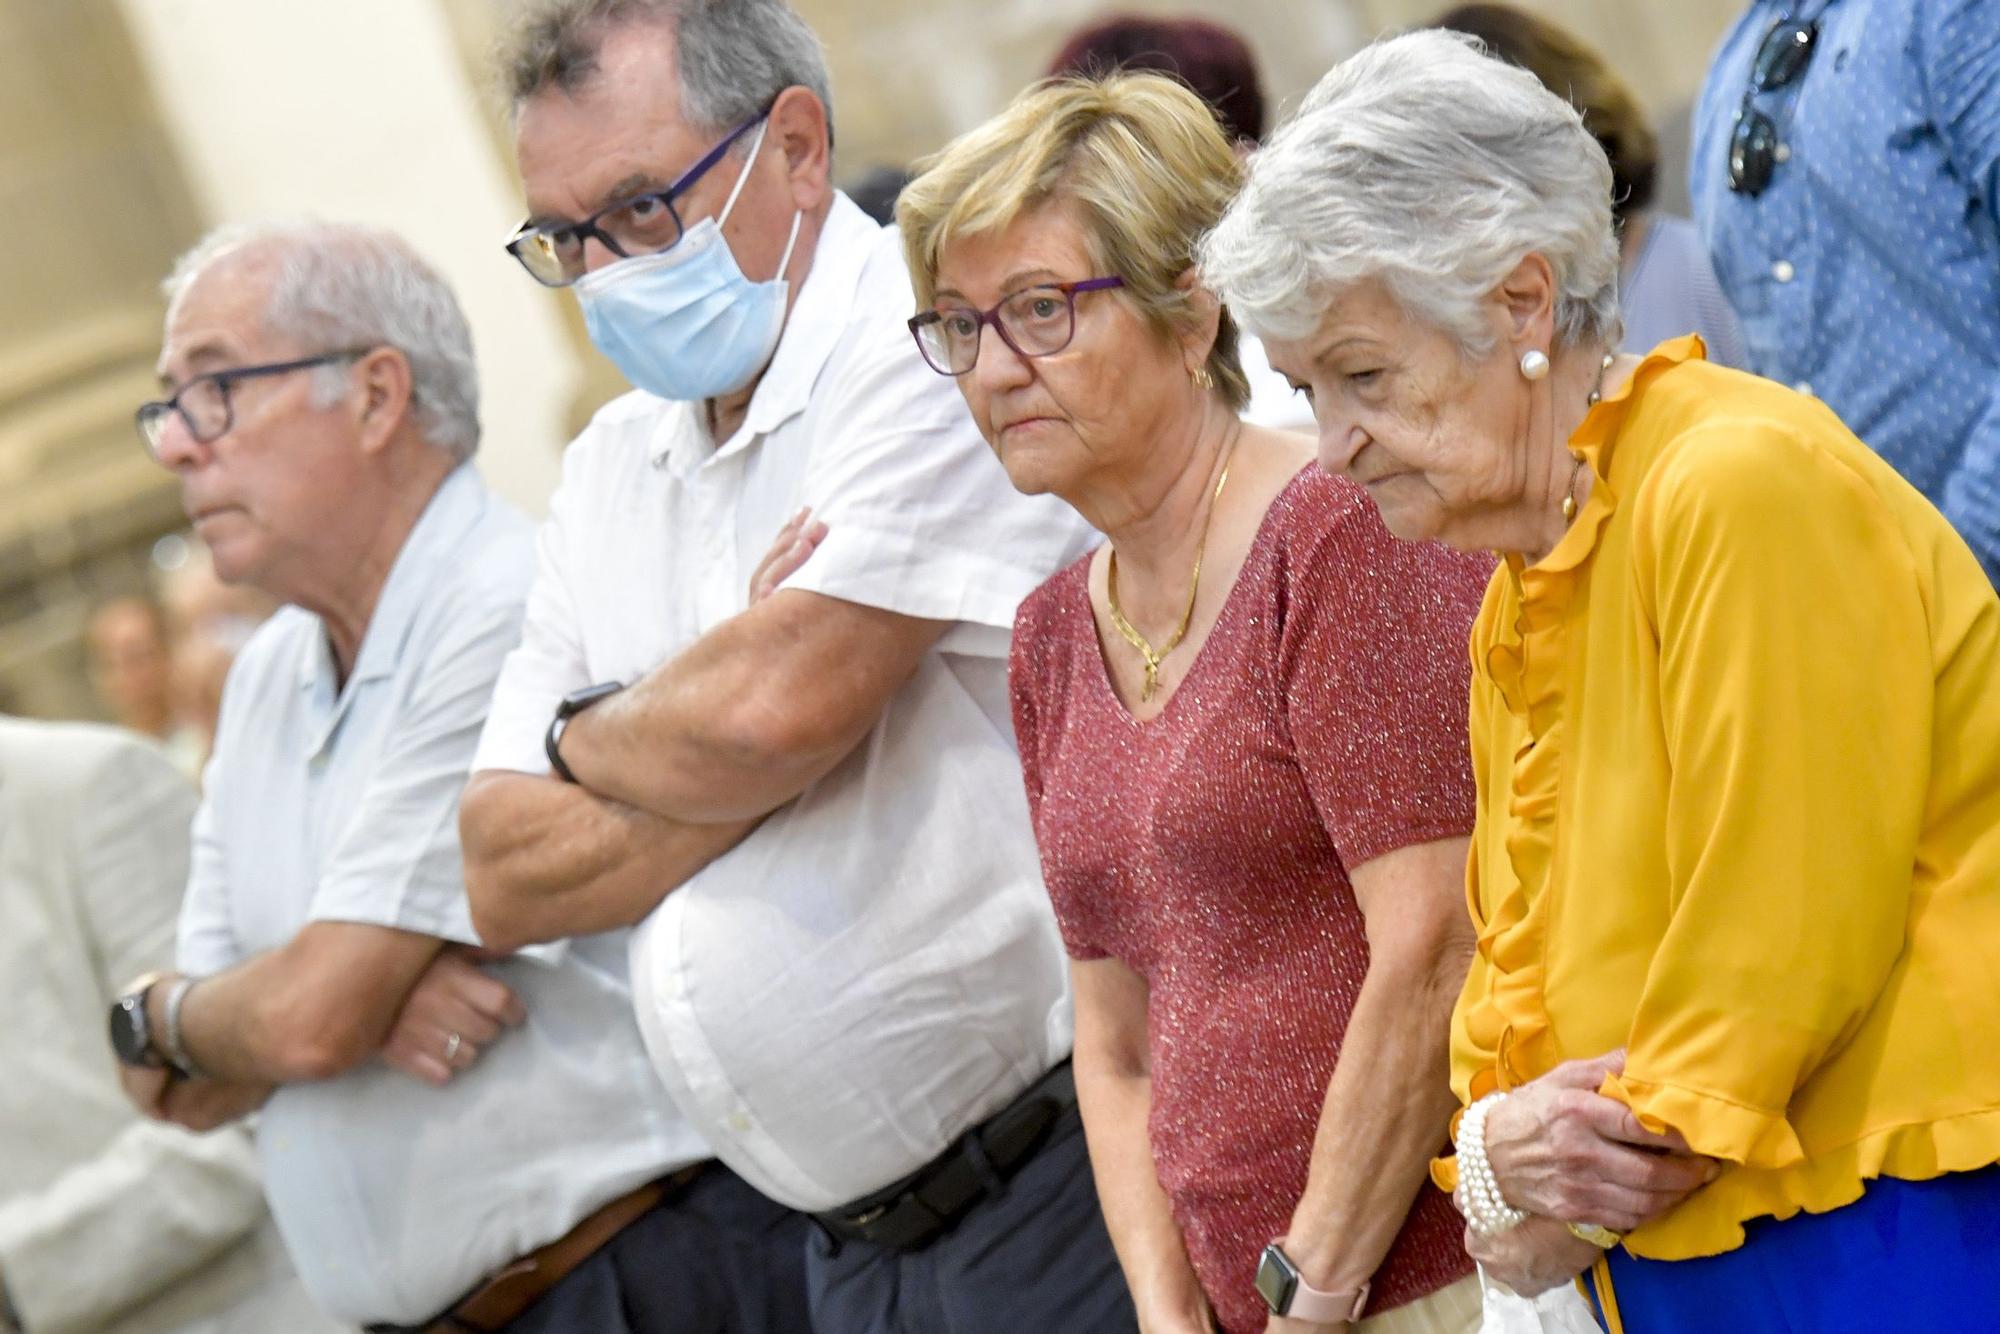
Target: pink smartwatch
x,y
1287,1293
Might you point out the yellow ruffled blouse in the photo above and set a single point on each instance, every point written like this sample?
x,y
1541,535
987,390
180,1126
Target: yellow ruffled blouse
x,y
1737,741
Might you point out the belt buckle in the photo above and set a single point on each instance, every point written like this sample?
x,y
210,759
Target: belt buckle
x,y
867,1216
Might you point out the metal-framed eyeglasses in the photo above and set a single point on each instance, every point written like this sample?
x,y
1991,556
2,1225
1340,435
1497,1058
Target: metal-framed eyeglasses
x,y
642,224
1754,150
1036,321
203,403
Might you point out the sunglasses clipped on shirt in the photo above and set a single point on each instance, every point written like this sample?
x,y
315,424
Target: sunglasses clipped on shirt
x,y
1782,57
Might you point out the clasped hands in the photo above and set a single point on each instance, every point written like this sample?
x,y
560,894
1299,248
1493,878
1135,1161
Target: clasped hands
x,y
1564,1153
455,1011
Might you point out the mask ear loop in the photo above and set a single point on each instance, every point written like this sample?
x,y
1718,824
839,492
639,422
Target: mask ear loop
x,y
743,177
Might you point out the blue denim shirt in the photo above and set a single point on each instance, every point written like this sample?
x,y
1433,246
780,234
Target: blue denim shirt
x,y
1868,271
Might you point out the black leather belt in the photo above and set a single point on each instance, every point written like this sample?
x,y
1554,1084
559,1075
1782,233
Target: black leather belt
x,y
912,1213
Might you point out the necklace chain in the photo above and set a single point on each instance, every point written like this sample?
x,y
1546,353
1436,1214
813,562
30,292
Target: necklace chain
x,y
1154,656
1596,394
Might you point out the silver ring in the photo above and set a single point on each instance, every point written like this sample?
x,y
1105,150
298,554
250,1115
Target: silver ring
x,y
452,1043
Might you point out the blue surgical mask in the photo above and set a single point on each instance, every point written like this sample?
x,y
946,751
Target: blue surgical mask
x,y
686,324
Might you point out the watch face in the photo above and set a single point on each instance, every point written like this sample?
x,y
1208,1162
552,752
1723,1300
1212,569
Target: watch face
x,y
1277,1280
129,1036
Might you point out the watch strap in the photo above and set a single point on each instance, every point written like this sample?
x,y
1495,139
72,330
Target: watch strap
x,y
1305,1302
170,1015
552,744
572,704
1311,1304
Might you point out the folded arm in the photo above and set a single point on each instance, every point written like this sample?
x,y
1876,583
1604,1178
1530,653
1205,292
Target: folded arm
x,y
753,712
545,859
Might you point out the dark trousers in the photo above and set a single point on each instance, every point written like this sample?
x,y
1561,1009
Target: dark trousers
x,y
713,1258
1031,1258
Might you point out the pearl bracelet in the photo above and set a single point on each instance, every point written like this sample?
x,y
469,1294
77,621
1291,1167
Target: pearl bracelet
x,y
1486,1209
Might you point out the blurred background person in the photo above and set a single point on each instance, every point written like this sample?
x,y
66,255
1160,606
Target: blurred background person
x,y
109,1223
209,622
1240,721
1217,64
131,655
1846,178
1665,285
1737,867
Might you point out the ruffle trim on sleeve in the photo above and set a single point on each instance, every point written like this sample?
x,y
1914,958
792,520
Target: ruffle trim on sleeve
x,y
1527,664
1713,1127
1711,1220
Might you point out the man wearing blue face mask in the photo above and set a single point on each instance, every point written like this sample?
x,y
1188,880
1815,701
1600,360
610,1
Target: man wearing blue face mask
x,y
798,778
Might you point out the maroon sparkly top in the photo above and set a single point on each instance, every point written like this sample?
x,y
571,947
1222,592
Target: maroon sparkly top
x,y
1322,724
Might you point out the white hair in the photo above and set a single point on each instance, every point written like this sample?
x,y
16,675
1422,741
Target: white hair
x,y
1424,164
342,286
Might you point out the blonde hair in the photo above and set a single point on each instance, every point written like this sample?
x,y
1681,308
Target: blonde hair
x,y
1139,155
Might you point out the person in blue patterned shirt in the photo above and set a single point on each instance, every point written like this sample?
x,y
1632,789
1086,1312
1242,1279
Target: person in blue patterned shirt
x,y
1846,179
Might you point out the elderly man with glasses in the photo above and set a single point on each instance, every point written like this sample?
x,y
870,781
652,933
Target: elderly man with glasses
x,y
450,1139
799,772
1846,180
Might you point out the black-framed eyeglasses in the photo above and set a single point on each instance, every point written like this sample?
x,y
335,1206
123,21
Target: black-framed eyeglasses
x,y
203,402
644,224
1035,321
1753,144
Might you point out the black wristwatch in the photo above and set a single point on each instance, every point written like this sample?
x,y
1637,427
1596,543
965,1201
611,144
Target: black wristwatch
x,y
575,702
132,1032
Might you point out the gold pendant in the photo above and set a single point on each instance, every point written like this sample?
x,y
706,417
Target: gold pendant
x,y
1152,682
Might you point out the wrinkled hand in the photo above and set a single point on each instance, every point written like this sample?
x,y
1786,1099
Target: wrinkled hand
x,y
452,997
1560,1149
794,544
209,1104
1531,1259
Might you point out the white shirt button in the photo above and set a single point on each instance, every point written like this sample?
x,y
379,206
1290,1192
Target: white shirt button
x,y
1782,153
1804,387
739,1123
1783,271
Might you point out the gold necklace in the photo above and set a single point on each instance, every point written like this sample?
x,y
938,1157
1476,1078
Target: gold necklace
x,y
1132,636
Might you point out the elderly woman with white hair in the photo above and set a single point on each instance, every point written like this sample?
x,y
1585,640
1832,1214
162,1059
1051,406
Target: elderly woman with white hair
x,y
1736,872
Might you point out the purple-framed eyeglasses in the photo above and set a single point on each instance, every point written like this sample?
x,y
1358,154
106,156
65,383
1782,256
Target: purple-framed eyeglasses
x,y
1035,321
643,224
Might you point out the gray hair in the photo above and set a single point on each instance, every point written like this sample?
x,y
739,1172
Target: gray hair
x,y
337,286
734,56
1422,163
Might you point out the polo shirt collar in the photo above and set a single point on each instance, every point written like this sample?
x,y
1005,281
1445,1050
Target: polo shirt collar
x,y
449,514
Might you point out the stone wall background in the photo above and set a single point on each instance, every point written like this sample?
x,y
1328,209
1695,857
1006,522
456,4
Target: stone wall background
x,y
136,124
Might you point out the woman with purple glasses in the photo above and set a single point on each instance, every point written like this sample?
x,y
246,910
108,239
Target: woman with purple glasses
x,y
1239,721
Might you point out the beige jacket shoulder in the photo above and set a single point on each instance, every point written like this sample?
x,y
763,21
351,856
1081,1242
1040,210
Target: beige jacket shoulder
x,y
109,1222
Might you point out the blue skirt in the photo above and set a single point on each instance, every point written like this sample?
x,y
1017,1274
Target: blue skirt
x,y
1906,1256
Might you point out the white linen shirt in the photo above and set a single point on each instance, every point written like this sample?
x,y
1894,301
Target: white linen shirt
x,y
394,1197
876,968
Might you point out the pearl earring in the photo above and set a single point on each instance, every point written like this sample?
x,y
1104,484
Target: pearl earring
x,y
1534,364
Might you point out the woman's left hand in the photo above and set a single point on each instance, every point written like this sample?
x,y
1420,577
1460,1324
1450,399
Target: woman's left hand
x,y
790,550
1531,1259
